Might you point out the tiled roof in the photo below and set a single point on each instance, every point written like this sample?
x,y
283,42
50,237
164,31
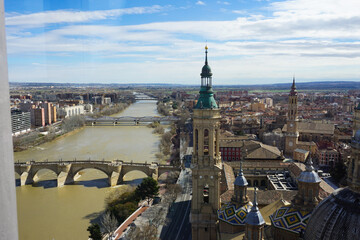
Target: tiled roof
x,y
268,210
231,214
265,152
255,149
313,127
290,219
229,176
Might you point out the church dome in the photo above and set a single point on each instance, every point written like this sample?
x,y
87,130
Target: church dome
x,y
309,175
240,180
206,71
357,107
336,217
357,136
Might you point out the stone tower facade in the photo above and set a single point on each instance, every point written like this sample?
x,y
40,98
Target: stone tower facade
x,y
354,164
356,119
206,161
292,134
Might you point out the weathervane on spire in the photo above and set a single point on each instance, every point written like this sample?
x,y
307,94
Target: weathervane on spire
x,y
206,52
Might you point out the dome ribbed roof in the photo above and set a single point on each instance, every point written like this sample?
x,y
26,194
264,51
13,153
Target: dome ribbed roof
x,y
240,180
309,175
206,71
357,107
336,217
357,136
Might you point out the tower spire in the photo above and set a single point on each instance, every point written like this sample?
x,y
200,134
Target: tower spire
x,y
255,217
293,87
240,187
206,99
255,204
206,52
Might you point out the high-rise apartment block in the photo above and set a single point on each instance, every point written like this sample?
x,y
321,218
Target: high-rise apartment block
x,y
20,122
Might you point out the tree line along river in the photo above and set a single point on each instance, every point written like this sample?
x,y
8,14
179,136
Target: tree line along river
x,y
48,212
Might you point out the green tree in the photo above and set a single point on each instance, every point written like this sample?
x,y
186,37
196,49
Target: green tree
x,y
147,189
121,205
94,230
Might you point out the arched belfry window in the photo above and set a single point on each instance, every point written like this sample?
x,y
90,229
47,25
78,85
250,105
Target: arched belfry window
x,y
206,193
196,140
206,142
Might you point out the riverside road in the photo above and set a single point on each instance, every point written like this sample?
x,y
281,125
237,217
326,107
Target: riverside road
x,y
180,227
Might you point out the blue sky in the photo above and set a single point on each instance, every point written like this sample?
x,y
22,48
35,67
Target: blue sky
x,y
138,41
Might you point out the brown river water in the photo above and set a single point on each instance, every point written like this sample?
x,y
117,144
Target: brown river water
x,y
47,212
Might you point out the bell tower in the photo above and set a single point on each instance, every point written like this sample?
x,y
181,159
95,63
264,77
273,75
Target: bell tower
x,y
353,178
206,161
356,119
292,134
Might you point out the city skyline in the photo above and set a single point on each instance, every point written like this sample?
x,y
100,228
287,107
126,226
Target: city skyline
x,y
250,42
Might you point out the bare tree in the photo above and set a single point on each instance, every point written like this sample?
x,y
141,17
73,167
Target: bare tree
x,y
172,191
147,232
109,223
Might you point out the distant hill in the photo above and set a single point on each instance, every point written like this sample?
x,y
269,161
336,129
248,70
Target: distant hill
x,y
328,85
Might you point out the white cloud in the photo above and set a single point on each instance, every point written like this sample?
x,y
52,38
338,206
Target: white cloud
x,y
240,12
66,16
200,3
317,39
221,2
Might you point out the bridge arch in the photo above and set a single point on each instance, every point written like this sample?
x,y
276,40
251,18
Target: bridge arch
x,y
130,175
77,170
45,168
168,175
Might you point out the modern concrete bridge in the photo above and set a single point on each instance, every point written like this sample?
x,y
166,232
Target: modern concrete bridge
x,y
116,121
66,170
146,98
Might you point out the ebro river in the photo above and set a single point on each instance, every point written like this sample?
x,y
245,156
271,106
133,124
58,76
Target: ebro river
x,y
47,212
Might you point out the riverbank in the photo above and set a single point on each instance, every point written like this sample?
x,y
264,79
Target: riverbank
x,y
67,126
45,210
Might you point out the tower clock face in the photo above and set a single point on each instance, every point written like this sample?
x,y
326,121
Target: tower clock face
x,y
291,125
290,143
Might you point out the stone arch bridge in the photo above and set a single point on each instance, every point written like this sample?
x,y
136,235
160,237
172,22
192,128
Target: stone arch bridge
x,y
66,170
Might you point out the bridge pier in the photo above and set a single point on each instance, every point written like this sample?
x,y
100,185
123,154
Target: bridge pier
x,y
154,170
116,178
64,178
26,178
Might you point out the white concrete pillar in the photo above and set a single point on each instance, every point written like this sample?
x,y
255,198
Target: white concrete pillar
x,y
8,215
